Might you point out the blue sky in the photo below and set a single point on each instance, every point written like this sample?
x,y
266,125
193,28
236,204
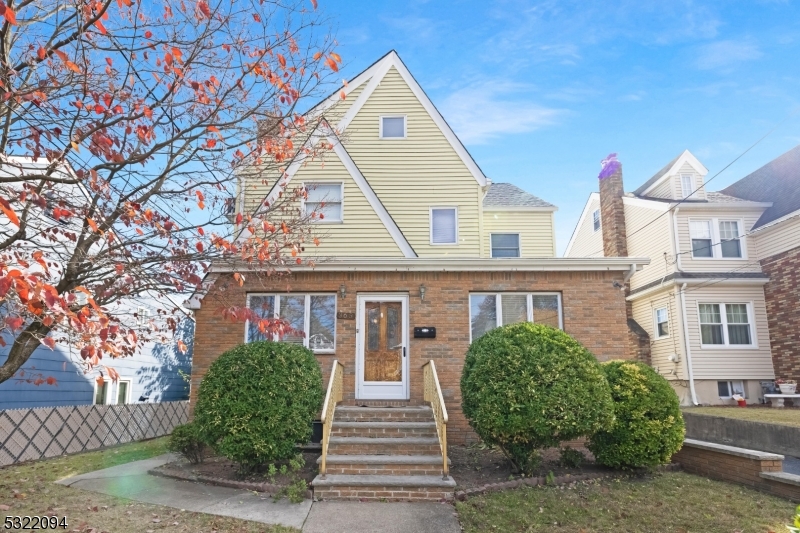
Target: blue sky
x,y
540,92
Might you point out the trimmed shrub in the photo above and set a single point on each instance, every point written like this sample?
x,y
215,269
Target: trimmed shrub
x,y
649,426
187,441
529,386
258,400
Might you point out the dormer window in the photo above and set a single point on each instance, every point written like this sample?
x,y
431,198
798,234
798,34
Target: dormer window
x,y
687,186
393,127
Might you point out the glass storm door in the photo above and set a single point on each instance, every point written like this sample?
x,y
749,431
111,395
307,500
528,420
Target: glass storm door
x,y
382,357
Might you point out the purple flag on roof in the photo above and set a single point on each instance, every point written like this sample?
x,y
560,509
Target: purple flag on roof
x,y
610,165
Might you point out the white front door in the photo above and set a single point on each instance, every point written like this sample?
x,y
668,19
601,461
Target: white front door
x,y
382,347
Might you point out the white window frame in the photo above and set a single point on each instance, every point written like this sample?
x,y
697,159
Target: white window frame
x,y
430,224
306,315
655,323
684,192
716,241
596,223
341,201
519,242
724,318
94,392
115,389
405,127
499,306
142,316
730,383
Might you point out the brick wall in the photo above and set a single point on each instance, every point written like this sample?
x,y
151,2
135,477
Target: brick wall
x,y
594,313
783,311
612,215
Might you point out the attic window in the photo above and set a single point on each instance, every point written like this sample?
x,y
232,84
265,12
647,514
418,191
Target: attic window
x,y
393,127
686,185
444,225
596,219
325,201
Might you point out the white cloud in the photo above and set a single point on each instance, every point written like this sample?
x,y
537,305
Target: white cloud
x,y
723,55
487,110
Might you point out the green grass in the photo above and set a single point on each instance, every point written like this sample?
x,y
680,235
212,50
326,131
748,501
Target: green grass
x,y
769,415
28,490
669,502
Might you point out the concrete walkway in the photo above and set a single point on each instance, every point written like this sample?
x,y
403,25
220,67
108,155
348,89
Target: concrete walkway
x,y
131,481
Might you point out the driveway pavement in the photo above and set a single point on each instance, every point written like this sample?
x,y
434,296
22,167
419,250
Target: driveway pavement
x,y
131,481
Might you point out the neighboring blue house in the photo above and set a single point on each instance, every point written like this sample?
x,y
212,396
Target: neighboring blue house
x,y
155,374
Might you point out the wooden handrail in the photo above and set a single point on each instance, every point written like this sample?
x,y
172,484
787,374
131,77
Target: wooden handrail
x,y
433,395
332,397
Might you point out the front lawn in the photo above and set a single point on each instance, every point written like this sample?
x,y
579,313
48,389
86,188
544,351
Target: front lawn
x,y
669,502
769,415
28,490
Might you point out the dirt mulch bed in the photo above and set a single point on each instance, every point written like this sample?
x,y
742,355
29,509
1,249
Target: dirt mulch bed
x,y
220,471
473,467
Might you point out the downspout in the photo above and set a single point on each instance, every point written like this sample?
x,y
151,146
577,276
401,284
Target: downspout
x,y
686,345
629,274
675,240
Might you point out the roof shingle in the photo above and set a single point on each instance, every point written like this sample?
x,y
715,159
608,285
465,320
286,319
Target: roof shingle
x,y
508,195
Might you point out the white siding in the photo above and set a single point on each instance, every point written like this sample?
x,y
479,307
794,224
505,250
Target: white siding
x,y
749,263
661,349
777,239
697,182
588,242
535,228
727,362
649,235
663,190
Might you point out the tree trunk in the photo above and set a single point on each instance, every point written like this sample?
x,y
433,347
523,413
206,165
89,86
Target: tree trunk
x,y
22,349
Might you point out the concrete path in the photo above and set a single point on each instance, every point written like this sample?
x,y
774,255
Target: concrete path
x,y
131,481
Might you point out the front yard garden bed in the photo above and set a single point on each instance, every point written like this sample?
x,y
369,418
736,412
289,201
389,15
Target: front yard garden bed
x,y
216,470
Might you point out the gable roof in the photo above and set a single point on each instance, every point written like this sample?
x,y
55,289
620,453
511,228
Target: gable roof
x,y
778,182
508,195
673,166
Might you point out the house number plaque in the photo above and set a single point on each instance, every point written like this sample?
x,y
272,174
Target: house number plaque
x,y
345,316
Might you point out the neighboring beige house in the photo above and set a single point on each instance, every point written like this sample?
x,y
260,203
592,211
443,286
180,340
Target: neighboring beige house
x,y
419,254
701,299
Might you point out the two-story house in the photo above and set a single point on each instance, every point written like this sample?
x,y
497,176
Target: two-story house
x,y
701,299
420,253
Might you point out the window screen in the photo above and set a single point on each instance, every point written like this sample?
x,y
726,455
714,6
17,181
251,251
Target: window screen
x,y
701,238
393,127
730,244
443,225
505,244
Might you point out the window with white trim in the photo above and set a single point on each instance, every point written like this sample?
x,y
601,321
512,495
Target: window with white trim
x,y
727,389
123,391
596,219
700,231
142,316
101,392
311,316
730,244
324,200
687,187
505,244
444,225
393,127
662,323
490,310
725,324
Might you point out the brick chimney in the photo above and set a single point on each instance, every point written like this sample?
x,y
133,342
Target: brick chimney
x,y
612,212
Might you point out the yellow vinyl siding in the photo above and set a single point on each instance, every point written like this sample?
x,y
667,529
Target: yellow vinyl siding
x,y
648,236
697,183
535,228
661,349
361,233
412,175
747,218
663,190
588,243
777,239
722,363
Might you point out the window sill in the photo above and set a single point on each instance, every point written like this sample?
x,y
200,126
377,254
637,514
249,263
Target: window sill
x,y
444,244
729,346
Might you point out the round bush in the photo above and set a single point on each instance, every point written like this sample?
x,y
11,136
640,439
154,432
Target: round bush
x,y
187,440
649,427
258,401
530,386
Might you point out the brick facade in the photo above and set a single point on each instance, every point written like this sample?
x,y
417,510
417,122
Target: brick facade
x,y
782,295
593,313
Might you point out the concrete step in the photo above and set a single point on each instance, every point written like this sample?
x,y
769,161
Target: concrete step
x,y
386,465
380,487
347,413
384,446
383,429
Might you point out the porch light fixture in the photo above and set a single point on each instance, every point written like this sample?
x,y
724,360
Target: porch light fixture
x,y
422,293
342,291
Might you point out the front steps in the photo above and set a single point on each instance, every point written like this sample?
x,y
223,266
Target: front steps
x,y
380,453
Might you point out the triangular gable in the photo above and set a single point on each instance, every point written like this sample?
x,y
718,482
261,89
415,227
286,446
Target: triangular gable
x,y
670,170
592,197
364,186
